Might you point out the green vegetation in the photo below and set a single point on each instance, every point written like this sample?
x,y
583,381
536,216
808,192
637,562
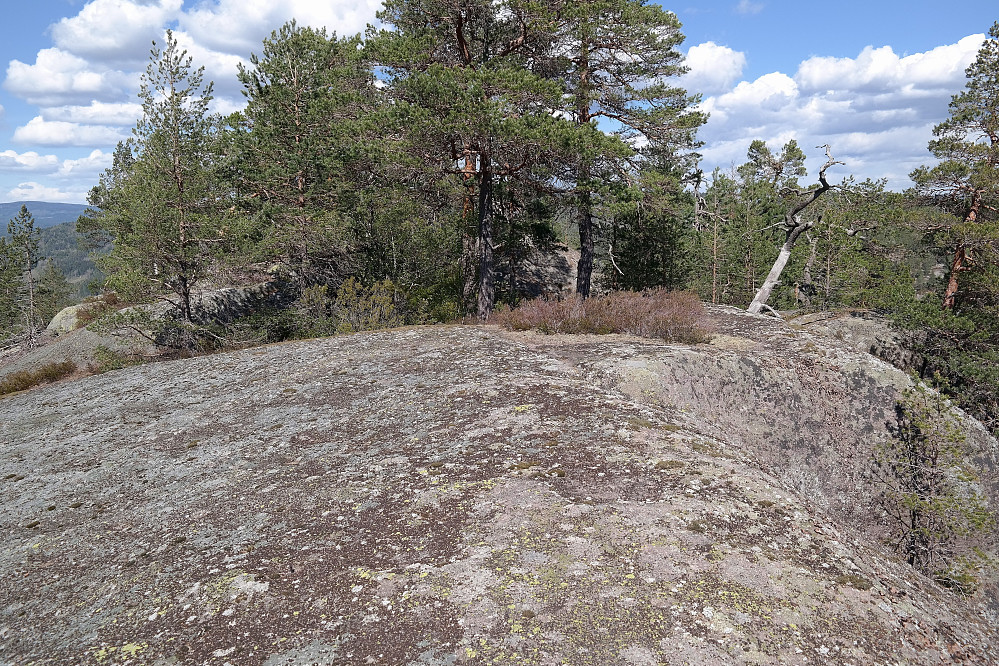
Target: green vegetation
x,y
31,291
941,523
446,163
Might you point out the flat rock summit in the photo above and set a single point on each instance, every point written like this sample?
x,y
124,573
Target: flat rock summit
x,y
465,495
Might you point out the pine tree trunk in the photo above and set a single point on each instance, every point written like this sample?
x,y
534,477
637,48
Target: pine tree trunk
x,y
469,240
487,269
962,256
584,267
957,265
32,323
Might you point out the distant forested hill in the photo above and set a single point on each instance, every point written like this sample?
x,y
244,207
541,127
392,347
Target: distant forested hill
x,y
45,214
58,239
62,245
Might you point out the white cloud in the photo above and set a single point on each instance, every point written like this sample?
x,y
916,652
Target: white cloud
x,y
239,26
225,105
881,69
876,110
713,68
89,167
59,77
41,132
32,191
118,31
29,161
766,97
97,113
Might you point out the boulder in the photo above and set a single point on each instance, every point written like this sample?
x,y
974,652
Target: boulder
x,y
65,321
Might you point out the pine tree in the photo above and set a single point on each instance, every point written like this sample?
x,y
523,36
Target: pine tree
x,y
470,107
10,286
939,519
22,258
53,291
966,181
160,202
617,59
299,155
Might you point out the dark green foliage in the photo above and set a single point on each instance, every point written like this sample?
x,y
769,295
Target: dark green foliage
x,y
619,60
940,521
960,228
296,154
966,181
161,202
107,359
471,108
354,308
54,292
649,248
10,288
67,250
20,316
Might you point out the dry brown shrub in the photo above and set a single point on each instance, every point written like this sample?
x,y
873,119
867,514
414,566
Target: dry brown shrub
x,y
656,313
25,379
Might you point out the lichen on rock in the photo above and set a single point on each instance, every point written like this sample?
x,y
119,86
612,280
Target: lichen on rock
x,y
461,495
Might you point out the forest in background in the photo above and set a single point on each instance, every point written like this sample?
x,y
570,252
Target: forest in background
x,y
458,158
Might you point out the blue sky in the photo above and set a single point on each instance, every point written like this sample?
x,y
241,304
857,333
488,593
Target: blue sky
x,y
869,78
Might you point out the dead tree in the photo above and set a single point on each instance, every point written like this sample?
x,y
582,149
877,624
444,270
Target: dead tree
x,y
794,227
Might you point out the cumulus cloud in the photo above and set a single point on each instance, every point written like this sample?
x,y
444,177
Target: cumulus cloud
x,y
43,132
121,114
876,110
116,31
880,69
239,26
32,191
58,77
29,161
713,68
89,167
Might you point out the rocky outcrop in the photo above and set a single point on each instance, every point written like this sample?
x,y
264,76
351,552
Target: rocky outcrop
x,y
461,495
865,331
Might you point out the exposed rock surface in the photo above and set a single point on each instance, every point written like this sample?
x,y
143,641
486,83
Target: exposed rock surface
x,y
82,346
864,331
459,495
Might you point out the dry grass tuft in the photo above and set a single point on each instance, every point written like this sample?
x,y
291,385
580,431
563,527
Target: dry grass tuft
x,y
657,313
25,379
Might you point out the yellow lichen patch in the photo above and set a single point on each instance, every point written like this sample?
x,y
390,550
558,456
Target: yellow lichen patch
x,y
128,651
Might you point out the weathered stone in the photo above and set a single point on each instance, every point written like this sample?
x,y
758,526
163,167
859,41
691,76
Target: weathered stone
x,y
461,495
64,321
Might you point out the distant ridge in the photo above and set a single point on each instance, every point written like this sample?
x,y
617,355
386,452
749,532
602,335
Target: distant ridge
x,y
46,214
